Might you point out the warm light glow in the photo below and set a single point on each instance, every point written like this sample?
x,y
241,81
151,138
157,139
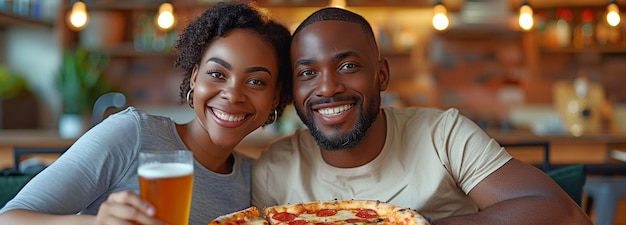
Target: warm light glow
x,y
526,17
338,3
77,17
440,19
165,17
613,17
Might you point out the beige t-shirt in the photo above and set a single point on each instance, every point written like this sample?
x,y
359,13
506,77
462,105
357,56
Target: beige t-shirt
x,y
430,160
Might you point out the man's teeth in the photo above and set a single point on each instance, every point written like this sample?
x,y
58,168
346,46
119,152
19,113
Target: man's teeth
x,y
334,110
228,117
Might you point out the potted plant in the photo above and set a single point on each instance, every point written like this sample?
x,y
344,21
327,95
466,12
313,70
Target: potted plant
x,y
80,82
18,104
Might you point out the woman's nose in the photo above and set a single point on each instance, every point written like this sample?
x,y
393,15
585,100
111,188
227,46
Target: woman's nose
x,y
233,93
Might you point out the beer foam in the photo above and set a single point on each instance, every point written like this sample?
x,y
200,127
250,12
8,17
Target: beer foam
x,y
164,170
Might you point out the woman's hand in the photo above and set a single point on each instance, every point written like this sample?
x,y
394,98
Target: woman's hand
x,y
126,208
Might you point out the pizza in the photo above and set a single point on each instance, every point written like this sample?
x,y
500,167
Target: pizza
x,y
249,216
341,212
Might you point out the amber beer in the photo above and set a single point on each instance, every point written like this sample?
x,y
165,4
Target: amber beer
x,y
166,181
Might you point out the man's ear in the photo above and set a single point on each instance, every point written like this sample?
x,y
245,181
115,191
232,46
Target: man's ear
x,y
383,74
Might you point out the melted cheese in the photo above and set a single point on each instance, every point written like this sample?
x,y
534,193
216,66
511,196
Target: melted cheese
x,y
340,216
257,221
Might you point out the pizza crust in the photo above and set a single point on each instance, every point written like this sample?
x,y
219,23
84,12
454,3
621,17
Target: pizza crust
x,y
249,216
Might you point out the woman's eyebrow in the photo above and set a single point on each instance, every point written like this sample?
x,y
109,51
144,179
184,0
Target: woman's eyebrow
x,y
221,62
257,69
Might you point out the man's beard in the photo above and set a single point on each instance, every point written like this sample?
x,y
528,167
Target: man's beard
x,y
341,141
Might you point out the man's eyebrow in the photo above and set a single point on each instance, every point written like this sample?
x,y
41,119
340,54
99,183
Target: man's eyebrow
x,y
304,62
221,62
343,55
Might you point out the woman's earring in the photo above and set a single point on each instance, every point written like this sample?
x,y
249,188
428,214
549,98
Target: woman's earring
x,y
189,99
272,118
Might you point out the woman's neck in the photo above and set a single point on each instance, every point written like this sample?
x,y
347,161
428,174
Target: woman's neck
x,y
212,157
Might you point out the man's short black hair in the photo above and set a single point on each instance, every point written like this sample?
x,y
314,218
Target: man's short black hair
x,y
338,14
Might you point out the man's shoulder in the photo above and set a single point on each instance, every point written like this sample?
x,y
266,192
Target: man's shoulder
x,y
421,114
290,145
298,138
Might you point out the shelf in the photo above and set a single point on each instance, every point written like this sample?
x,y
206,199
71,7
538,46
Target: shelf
x,y
120,52
190,4
324,3
127,50
613,48
142,5
7,19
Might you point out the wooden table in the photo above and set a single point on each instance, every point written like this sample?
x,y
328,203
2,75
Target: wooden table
x,y
589,148
29,138
592,148
251,146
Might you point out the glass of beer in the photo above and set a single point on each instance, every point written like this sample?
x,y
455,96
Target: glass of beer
x,y
166,181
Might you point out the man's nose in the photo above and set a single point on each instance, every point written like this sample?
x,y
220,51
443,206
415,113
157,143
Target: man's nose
x,y
329,84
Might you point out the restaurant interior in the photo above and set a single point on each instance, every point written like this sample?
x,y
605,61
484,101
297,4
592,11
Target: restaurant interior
x,y
544,78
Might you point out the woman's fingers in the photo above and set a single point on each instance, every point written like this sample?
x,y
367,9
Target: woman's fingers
x,y
126,208
130,198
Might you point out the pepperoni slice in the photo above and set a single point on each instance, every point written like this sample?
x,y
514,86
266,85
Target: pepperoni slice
x,y
298,222
284,216
367,213
326,212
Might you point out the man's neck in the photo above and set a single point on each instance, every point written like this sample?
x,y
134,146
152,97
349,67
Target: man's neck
x,y
367,150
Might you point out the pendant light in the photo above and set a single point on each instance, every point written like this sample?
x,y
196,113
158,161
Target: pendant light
x,y
613,15
77,17
337,4
165,17
440,17
526,20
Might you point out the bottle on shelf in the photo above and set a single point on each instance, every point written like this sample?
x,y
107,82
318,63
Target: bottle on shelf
x,y
563,27
584,32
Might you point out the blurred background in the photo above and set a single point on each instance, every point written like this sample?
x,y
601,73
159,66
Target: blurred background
x,y
554,67
549,75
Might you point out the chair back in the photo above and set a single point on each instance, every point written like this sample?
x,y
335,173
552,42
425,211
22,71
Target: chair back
x,y
20,152
105,101
571,179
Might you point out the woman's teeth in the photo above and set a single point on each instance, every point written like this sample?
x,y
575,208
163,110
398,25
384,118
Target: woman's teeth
x,y
230,118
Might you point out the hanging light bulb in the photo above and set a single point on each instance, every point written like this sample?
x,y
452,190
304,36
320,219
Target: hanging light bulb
x,y
613,17
165,17
440,18
526,16
337,4
77,17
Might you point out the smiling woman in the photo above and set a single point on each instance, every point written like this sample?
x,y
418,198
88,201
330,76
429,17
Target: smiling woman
x,y
235,80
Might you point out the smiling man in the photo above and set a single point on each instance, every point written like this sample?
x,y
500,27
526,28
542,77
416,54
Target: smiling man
x,y
437,162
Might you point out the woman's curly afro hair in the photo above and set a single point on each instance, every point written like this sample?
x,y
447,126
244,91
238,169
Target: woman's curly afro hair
x,y
217,21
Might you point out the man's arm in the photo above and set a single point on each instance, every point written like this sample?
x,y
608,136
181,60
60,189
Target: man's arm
x,y
518,193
